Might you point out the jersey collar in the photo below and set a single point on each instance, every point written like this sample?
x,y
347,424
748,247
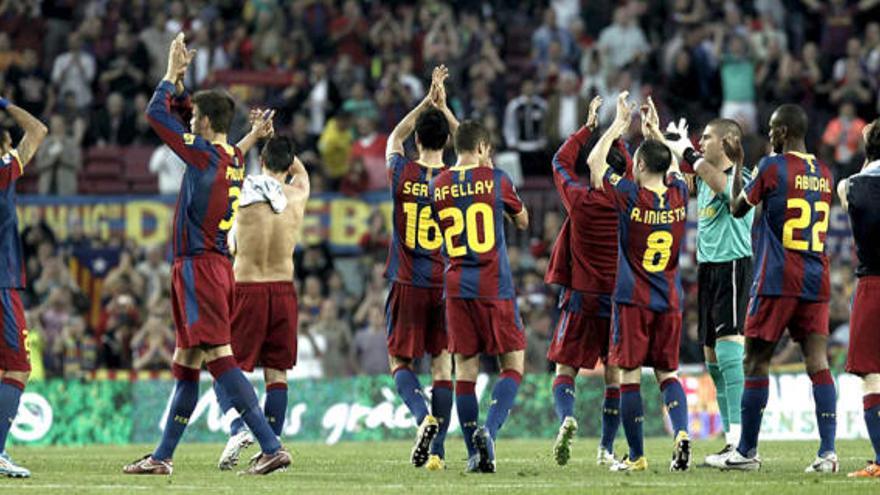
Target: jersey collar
x,y
465,167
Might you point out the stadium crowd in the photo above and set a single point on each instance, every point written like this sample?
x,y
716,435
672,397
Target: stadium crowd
x,y
349,71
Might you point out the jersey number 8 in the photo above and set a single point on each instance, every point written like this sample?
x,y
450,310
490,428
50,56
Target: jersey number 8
x,y
658,252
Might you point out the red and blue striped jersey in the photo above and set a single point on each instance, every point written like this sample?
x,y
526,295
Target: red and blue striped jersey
x,y
211,187
414,253
585,254
12,273
469,203
651,226
788,237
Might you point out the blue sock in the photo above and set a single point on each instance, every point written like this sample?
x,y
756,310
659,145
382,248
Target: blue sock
x,y
441,408
241,393
872,421
563,396
468,411
503,396
754,400
276,406
225,405
186,395
632,415
410,390
610,417
825,398
10,396
676,404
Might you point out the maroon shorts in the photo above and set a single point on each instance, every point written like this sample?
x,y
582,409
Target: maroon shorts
x,y
201,300
641,337
415,321
769,316
864,328
487,326
14,352
264,325
582,333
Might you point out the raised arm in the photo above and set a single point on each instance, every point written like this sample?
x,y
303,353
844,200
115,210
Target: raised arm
x,y
261,128
406,126
439,97
34,131
564,174
597,160
739,204
299,177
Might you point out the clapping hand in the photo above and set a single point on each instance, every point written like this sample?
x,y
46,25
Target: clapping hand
x,y
261,123
677,137
593,112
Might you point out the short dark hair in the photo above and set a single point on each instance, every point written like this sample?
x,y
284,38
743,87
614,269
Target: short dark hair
x,y
794,119
726,126
872,142
277,154
656,156
615,159
432,129
217,106
469,136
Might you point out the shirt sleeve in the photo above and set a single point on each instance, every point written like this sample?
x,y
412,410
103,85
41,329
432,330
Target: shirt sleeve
x,y
10,169
194,150
513,204
621,187
765,180
564,176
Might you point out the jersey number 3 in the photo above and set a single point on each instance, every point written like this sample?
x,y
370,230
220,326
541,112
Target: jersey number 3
x,y
234,193
802,221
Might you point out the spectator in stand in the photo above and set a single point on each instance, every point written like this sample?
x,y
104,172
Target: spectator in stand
x,y
59,159
359,104
74,349
124,278
53,275
322,99
155,271
374,243
853,54
337,358
119,320
357,180
566,111
442,45
126,70
349,32
210,56
838,22
737,81
547,34
8,56
853,87
53,315
623,42
30,84
871,53
335,146
304,144
370,150
153,344
143,133
114,125
312,296
538,335
74,72
523,126
156,39
842,139
371,347
169,169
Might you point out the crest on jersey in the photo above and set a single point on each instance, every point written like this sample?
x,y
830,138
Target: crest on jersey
x,y
189,139
613,179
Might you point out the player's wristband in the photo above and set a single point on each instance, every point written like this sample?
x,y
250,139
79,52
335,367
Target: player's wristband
x,y
4,103
691,156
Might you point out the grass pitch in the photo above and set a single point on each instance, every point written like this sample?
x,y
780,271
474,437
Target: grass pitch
x,y
524,466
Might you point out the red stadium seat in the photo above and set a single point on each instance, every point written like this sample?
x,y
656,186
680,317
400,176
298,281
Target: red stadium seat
x,y
137,162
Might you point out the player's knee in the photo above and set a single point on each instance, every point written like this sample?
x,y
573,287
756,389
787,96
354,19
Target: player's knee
x,y
17,378
275,376
630,376
441,367
467,367
396,362
871,383
514,361
612,375
815,364
663,375
563,369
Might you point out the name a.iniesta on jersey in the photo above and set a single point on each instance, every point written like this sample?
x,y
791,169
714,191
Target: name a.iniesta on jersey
x,y
656,217
465,189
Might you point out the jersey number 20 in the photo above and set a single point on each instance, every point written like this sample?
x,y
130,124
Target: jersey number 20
x,y
477,241
803,221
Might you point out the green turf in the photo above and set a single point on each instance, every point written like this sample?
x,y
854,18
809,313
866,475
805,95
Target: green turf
x,y
524,466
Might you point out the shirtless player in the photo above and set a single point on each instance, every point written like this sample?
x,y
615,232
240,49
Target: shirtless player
x,y
265,315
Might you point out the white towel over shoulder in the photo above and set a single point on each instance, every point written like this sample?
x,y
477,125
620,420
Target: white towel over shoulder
x,y
263,189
